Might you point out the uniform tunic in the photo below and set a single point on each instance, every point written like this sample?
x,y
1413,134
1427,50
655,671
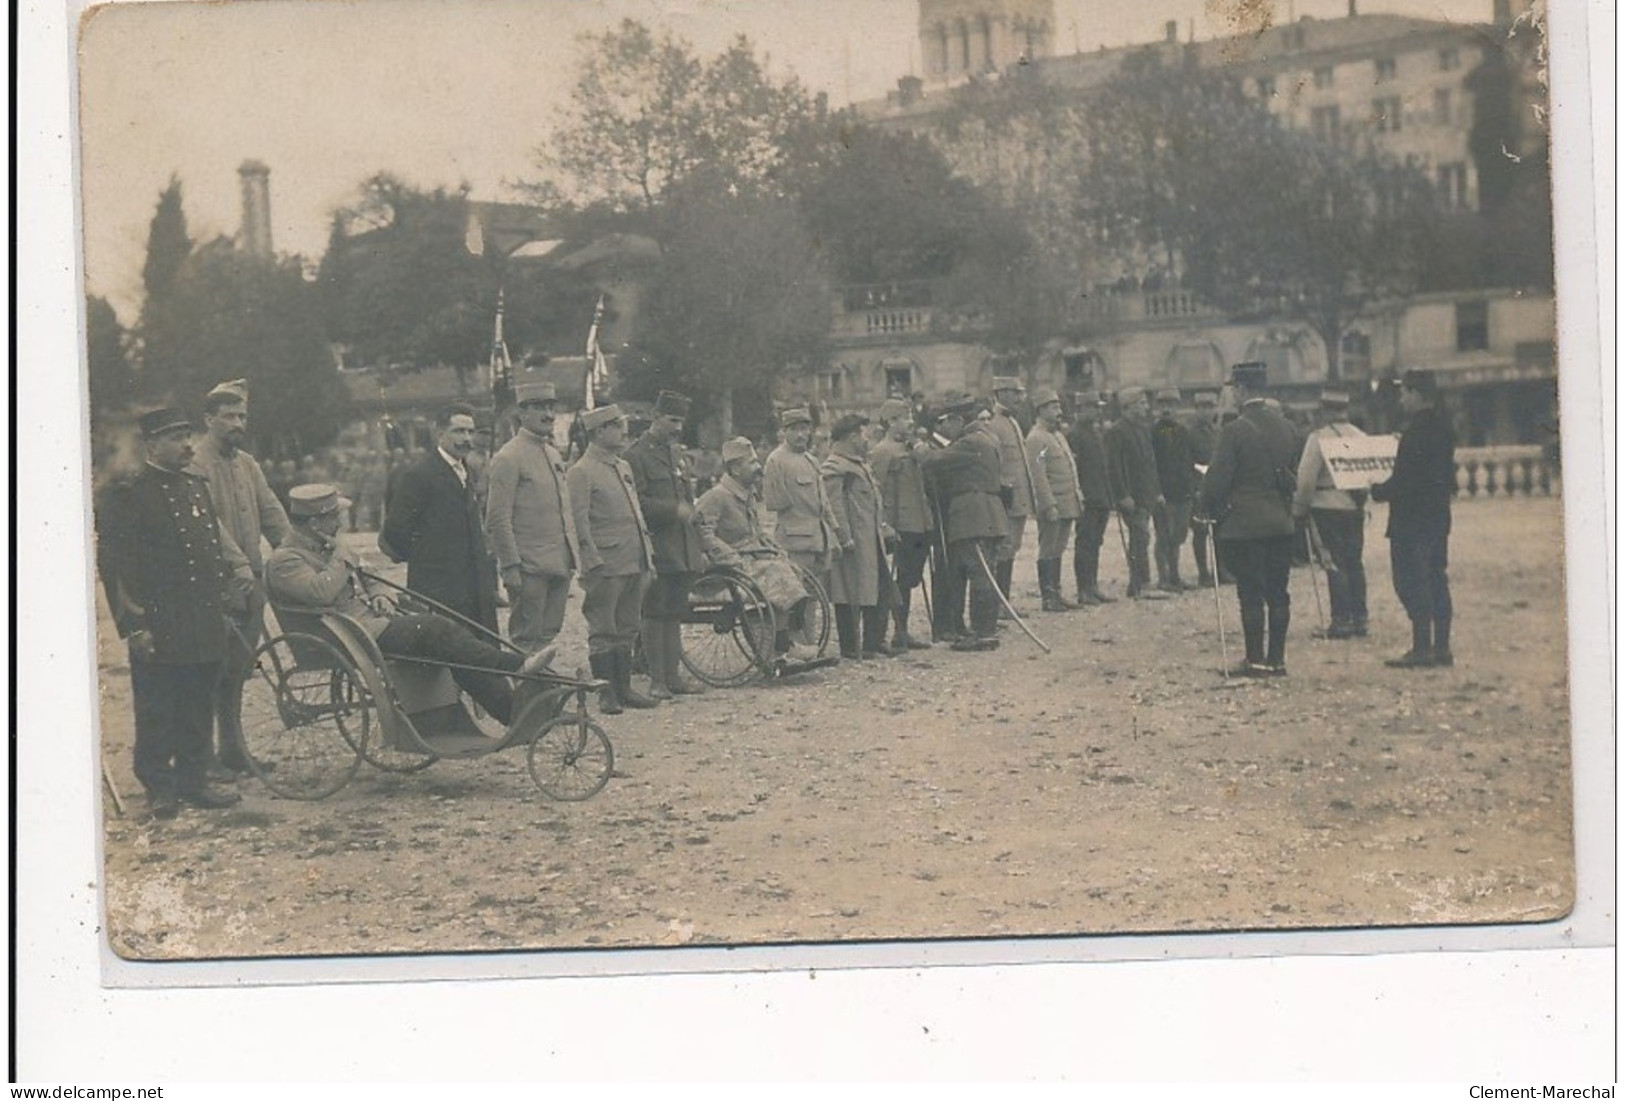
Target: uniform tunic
x,y
793,490
855,501
664,492
1016,476
1055,477
616,555
531,525
1418,496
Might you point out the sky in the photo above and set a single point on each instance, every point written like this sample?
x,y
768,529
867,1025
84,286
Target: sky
x,y
441,92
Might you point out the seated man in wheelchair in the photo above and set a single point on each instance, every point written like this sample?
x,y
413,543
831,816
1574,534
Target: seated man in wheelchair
x,y
313,570
732,537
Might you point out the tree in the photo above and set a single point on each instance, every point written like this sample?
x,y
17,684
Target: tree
x,y
229,315
736,298
168,244
111,379
646,112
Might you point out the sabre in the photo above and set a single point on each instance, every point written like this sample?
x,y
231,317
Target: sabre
x,y
988,572
1316,563
1218,605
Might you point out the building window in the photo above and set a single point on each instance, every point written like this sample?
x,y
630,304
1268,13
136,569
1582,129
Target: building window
x,y
1453,185
1323,77
1449,59
942,48
1387,69
1472,326
1441,106
1266,87
964,47
899,380
1385,114
1325,122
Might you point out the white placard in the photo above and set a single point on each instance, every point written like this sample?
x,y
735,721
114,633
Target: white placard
x,y
1356,462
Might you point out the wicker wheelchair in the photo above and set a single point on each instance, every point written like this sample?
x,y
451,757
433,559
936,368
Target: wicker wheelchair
x,y
321,699
732,634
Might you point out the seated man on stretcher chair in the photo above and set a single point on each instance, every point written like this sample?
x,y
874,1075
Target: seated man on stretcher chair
x,y
732,536
313,570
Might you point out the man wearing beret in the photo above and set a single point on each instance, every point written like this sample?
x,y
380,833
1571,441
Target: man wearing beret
x,y
248,512
1016,483
896,463
1248,490
165,574
617,559
529,520
1060,501
1338,517
313,569
1204,433
966,476
860,582
1132,462
793,490
1176,477
1088,441
659,469
433,523
1418,496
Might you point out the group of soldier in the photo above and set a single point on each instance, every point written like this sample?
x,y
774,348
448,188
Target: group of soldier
x,y
951,486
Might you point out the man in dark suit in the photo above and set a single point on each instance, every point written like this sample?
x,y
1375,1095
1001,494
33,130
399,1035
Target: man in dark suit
x,y
1418,496
432,523
166,578
1248,490
667,499
1204,434
1088,441
1132,462
965,476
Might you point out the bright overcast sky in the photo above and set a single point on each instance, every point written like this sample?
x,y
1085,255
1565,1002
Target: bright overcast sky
x,y
327,92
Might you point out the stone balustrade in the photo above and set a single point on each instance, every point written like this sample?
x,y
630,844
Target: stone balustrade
x,y
1505,471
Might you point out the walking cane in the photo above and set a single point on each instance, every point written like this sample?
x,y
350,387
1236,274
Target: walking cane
x,y
1316,563
991,580
1218,607
1122,537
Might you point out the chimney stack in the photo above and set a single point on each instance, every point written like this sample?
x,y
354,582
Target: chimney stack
x,y
254,238
1502,12
1170,31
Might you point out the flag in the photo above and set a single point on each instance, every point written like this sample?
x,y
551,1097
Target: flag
x,y
597,368
501,365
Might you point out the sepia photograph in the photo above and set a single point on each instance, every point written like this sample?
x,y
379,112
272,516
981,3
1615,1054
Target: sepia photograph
x,y
630,475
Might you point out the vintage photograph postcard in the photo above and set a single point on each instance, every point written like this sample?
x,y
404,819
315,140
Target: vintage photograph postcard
x,y
632,475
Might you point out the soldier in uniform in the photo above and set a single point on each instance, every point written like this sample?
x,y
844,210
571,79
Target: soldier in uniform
x,y
1015,474
1248,490
1132,463
907,511
967,477
433,523
1204,433
1060,501
1338,517
248,511
793,490
617,559
1176,476
1418,496
1088,440
529,521
667,498
860,582
166,578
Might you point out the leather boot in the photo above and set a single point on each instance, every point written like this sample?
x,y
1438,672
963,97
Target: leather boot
x,y
1279,620
603,668
846,631
1442,657
1049,586
673,648
1252,637
654,656
630,696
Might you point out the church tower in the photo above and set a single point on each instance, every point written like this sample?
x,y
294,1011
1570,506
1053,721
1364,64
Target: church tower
x,y
961,38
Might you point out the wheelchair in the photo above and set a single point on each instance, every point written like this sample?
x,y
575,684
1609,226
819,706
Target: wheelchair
x,y
730,630
322,698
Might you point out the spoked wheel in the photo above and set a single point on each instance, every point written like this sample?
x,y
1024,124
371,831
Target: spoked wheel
x,y
810,621
727,632
306,717
377,754
570,758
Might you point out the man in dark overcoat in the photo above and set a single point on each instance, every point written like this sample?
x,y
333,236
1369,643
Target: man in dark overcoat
x,y
433,524
1176,476
896,463
1204,433
1132,462
166,578
666,493
965,476
1248,490
1418,496
1088,440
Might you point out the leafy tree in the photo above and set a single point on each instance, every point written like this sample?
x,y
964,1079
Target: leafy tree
x,y
168,244
646,112
112,380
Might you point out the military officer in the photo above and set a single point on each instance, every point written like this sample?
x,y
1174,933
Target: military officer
x,y
966,475
166,578
1248,490
1015,473
1338,517
1088,440
860,582
617,559
530,522
1175,454
1060,500
666,495
896,463
1132,462
793,490
1204,433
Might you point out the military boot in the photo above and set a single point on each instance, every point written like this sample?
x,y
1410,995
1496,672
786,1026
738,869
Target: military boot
x,y
603,668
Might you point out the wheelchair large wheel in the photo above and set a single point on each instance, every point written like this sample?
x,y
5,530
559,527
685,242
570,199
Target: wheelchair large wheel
x,y
377,754
306,717
810,622
727,631
570,758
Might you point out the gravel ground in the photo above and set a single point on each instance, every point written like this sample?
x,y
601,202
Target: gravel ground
x,y
1117,784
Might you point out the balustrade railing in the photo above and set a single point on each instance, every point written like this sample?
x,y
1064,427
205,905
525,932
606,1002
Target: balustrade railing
x,y
1505,471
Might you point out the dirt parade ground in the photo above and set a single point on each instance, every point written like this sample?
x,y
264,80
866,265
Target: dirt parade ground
x,y
1117,784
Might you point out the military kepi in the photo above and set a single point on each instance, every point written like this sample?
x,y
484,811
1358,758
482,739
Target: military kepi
x,y
159,421
597,418
237,388
1046,397
315,499
795,415
955,403
535,392
1006,382
672,404
738,448
1252,375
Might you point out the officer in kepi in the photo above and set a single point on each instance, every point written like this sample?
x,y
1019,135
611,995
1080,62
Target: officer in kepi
x,y
965,474
167,583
